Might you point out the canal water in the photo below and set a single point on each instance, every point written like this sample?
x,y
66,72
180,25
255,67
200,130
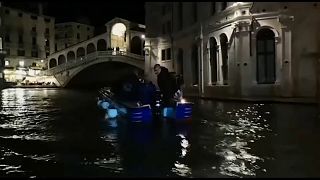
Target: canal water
x,y
62,133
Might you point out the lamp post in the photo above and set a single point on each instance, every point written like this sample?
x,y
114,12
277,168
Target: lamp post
x,y
142,39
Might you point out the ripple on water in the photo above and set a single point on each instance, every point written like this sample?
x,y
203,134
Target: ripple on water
x,y
245,127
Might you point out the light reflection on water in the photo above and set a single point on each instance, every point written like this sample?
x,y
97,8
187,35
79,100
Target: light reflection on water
x,y
244,126
25,117
54,132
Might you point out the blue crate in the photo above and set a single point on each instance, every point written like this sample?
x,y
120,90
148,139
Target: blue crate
x,y
182,111
140,114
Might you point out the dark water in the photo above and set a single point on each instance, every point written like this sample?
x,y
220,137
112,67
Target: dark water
x,y
61,133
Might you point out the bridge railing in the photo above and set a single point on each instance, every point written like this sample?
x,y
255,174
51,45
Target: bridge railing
x,y
92,57
121,53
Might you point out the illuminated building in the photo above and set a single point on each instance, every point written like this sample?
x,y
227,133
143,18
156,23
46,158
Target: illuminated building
x,y
28,40
237,49
70,33
2,55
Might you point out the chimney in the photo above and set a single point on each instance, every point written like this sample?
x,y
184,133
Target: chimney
x,y
40,8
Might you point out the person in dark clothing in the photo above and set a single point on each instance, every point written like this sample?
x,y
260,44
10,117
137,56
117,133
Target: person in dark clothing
x,y
166,84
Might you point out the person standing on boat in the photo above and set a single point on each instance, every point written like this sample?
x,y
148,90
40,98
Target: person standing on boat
x,y
166,84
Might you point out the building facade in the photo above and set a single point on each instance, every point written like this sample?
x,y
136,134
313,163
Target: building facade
x,y
70,33
125,35
28,40
2,55
237,49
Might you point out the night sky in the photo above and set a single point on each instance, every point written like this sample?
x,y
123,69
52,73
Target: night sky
x,y
94,12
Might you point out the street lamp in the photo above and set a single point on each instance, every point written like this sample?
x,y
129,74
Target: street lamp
x,y
142,37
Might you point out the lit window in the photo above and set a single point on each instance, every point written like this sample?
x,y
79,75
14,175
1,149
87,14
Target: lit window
x,y
21,63
7,63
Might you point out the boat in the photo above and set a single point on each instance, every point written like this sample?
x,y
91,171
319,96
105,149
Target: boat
x,y
181,110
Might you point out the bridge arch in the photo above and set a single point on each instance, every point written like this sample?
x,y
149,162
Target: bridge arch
x,y
61,59
71,56
121,60
101,45
91,48
80,53
52,63
118,35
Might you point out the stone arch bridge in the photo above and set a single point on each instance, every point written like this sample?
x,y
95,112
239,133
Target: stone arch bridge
x,y
125,48
65,72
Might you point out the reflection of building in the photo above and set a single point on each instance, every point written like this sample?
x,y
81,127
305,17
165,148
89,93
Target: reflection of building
x,y
28,40
236,49
70,33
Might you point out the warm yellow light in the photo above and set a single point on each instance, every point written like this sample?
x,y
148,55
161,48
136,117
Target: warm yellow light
x,y
118,29
6,71
7,63
20,72
183,101
31,72
21,63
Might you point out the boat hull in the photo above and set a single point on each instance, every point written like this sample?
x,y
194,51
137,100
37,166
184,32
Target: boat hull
x,y
133,112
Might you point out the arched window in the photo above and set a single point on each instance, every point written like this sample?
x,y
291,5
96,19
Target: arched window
x,y
90,48
52,63
118,35
101,45
80,53
136,45
194,66
61,59
266,57
213,60
224,55
70,56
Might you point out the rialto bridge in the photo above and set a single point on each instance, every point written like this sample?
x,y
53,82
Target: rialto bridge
x,y
122,44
